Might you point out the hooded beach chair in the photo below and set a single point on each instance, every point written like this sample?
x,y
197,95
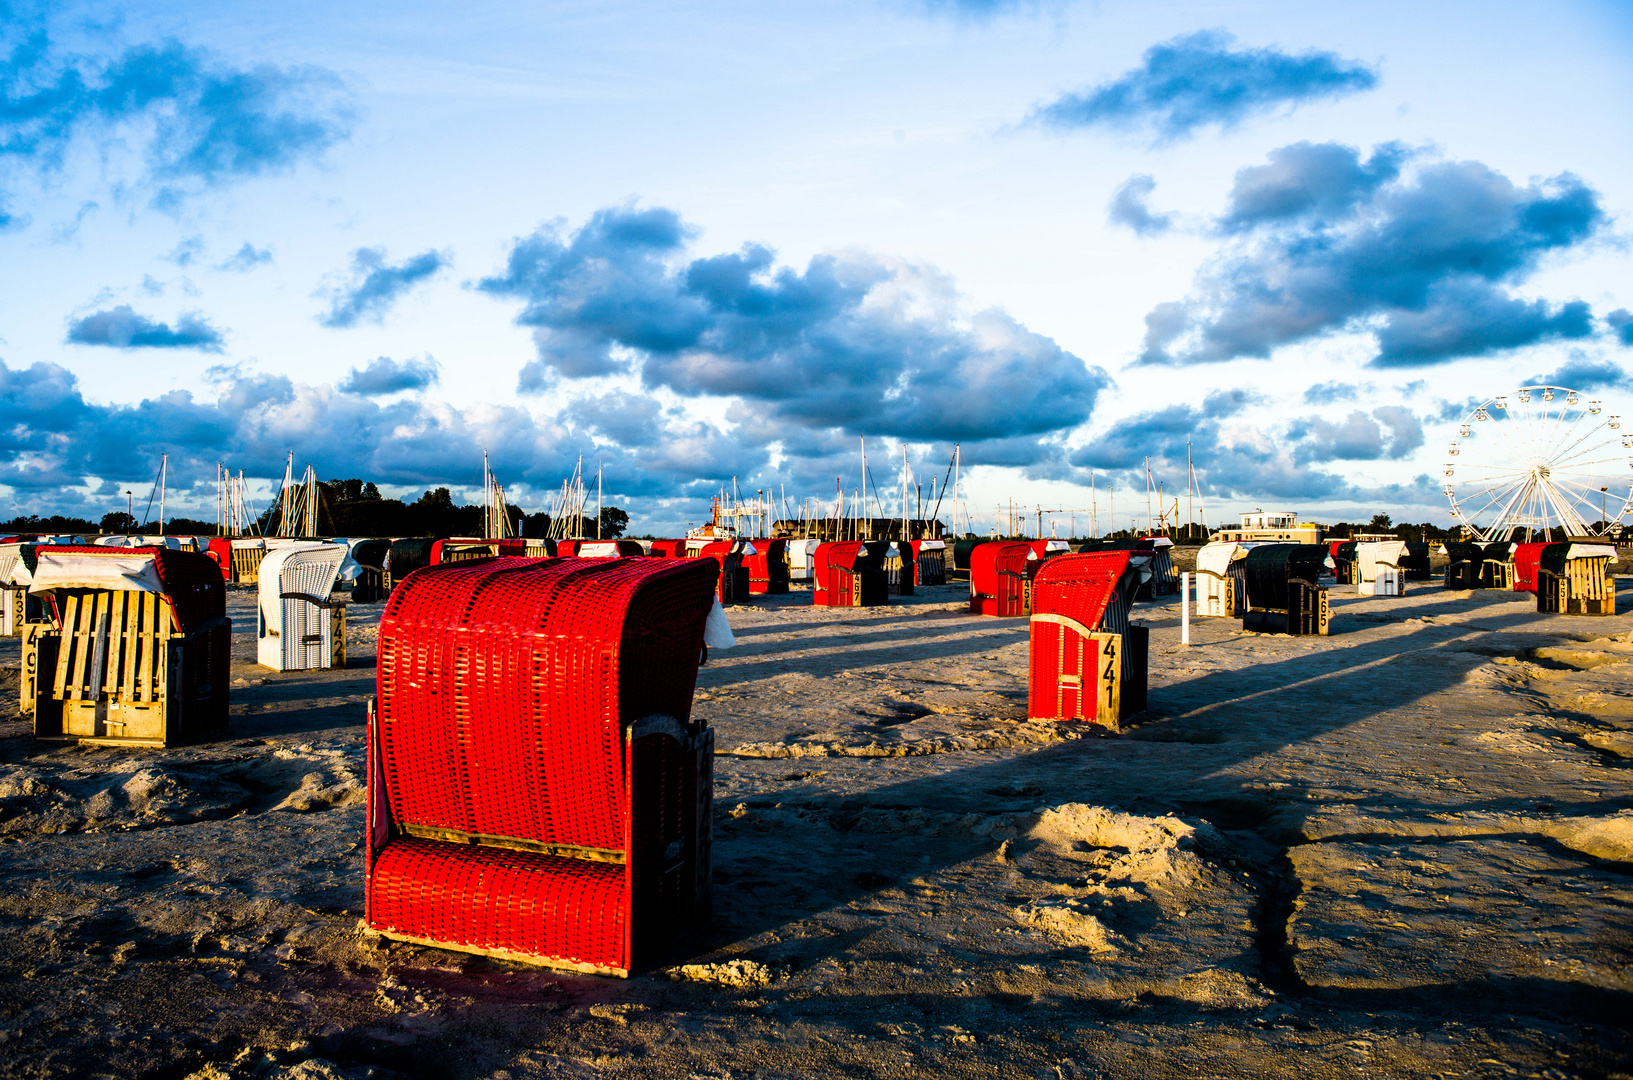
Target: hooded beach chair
x,y
1378,570
133,646
1572,579
727,555
1280,588
1527,559
767,565
1087,662
1001,578
896,559
847,574
1497,565
1218,578
538,790
929,562
1463,561
300,626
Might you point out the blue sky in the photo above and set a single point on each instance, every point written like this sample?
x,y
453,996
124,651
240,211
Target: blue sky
x,y
699,242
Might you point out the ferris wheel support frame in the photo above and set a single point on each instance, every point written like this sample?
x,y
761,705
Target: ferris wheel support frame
x,y
1542,476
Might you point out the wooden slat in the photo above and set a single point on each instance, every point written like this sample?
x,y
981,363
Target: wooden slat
x,y
97,666
144,647
161,652
113,681
65,655
59,677
128,625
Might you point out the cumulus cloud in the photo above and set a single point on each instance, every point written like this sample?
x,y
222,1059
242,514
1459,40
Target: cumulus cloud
x,y
1320,241
1128,207
196,120
1309,181
376,285
186,251
1620,322
1233,458
1328,393
246,258
1390,431
123,328
52,438
1585,373
853,342
1199,80
383,375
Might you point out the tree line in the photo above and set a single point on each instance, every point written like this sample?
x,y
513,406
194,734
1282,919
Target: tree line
x,y
349,507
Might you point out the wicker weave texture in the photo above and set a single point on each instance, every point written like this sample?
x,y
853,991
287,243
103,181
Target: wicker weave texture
x,y
1001,579
511,698
847,574
1073,596
493,899
503,687
1064,659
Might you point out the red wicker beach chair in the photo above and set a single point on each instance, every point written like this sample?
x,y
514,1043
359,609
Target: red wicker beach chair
x,y
847,574
1087,661
732,585
767,567
1001,578
538,790
1527,560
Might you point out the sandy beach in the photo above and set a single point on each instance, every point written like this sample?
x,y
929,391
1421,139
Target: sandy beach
x,y
1402,850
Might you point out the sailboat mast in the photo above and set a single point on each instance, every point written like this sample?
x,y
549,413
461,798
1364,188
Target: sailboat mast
x,y
905,535
864,492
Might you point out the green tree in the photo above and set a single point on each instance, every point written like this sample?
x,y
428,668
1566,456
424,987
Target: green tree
x,y
118,522
1380,523
613,522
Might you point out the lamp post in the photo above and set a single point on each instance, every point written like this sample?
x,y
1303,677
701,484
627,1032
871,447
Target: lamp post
x,y
130,510
1603,524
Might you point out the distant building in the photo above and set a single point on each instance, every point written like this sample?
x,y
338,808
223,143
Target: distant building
x,y
1278,525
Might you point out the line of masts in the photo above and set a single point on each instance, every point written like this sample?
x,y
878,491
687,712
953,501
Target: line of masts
x,y
854,513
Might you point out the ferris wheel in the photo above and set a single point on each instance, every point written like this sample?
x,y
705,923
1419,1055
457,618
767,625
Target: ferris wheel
x,y
1540,458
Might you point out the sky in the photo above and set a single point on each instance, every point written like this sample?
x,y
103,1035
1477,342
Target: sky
x,y
1292,244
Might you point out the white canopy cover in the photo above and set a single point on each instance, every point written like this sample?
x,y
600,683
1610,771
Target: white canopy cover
x,y
1216,556
799,554
1372,554
1591,551
309,567
115,573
